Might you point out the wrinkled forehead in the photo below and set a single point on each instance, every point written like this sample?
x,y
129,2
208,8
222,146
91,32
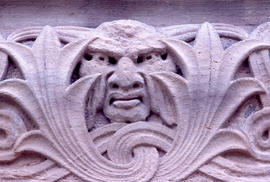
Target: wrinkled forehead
x,y
126,37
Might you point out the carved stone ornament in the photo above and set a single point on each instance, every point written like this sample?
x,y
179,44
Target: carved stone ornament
x,y
127,102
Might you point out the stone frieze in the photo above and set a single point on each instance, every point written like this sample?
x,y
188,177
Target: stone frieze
x,y
128,102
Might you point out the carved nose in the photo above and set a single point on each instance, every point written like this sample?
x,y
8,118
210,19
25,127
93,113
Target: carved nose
x,y
125,77
128,85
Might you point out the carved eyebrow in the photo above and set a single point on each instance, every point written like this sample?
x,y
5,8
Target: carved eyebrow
x,y
144,52
104,51
130,53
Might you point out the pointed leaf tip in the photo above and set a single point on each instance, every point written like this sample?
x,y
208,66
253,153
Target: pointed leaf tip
x,y
262,32
46,48
206,24
208,37
47,33
209,50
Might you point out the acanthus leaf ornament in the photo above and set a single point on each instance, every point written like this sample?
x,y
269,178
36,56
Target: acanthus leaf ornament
x,y
130,102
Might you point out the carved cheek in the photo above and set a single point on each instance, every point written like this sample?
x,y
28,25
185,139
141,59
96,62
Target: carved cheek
x,y
157,65
94,67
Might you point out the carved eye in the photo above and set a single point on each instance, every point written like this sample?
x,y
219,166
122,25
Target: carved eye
x,y
101,58
112,60
88,57
140,59
148,57
164,56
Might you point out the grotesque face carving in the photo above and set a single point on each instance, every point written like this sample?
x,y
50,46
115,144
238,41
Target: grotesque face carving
x,y
124,53
126,96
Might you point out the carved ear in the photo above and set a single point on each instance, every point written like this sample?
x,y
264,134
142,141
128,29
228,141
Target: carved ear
x,y
168,93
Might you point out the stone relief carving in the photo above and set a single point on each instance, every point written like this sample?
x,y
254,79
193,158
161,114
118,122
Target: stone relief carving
x,y
127,102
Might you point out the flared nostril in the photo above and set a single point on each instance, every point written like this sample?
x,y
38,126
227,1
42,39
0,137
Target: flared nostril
x,y
114,85
137,85
130,86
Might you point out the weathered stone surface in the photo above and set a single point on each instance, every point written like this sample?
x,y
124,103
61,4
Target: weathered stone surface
x,y
128,102
17,14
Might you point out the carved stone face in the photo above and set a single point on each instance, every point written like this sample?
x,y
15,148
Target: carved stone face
x,y
125,52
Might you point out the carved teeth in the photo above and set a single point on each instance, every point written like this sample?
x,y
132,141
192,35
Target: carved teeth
x,y
118,97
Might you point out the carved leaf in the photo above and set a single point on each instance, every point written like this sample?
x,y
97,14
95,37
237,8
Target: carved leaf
x,y
22,56
238,91
20,93
66,33
193,106
185,57
76,97
36,141
213,94
230,139
236,54
229,170
69,57
208,47
17,93
3,62
259,61
165,97
46,49
188,32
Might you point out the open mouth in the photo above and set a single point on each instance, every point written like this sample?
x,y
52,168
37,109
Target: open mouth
x,y
125,103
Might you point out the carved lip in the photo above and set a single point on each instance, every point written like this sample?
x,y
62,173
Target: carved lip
x,y
125,101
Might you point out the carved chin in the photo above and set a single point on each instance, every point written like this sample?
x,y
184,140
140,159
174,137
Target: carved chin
x,y
134,114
